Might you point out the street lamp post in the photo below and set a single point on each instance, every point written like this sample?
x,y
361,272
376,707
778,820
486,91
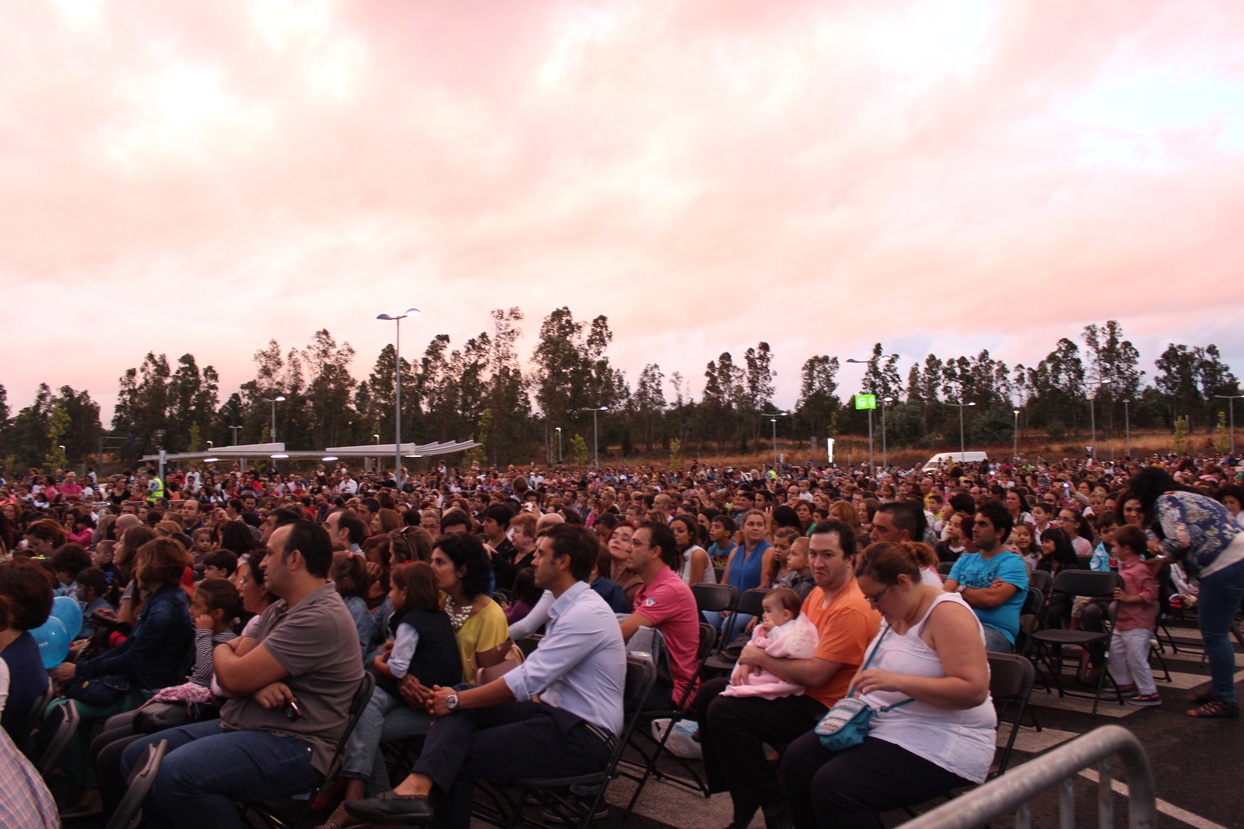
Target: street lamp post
x,y
235,430
962,445
397,387
885,458
595,433
1015,454
1231,398
773,418
1127,428
870,411
1092,397
559,443
1093,425
280,398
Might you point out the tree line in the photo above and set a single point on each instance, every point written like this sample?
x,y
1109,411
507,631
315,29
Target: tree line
x,y
483,390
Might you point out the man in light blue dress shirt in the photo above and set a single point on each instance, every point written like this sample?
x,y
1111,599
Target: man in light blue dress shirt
x,y
498,730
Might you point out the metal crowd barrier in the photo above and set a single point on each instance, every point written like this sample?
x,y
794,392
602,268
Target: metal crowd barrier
x,y
1059,768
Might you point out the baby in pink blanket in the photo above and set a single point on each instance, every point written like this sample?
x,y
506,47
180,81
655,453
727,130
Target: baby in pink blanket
x,y
784,633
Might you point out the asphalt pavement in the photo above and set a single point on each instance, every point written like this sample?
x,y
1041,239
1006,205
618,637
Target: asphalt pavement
x,y
1198,765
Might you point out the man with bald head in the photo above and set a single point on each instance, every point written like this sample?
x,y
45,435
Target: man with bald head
x,y
126,520
548,520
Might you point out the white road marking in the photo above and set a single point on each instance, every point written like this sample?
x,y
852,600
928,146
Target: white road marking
x,y
1168,809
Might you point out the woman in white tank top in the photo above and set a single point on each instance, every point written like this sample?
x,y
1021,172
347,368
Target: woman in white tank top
x,y
930,664
697,567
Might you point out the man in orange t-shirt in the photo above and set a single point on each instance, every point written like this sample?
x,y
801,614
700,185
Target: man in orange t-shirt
x,y
734,730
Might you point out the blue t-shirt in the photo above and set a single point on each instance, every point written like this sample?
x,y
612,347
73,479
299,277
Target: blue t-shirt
x,y
975,571
1101,558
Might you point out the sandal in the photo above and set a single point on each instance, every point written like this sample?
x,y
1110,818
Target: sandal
x,y
1215,710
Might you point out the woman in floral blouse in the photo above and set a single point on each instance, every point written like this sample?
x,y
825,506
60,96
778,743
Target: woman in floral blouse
x,y
1205,537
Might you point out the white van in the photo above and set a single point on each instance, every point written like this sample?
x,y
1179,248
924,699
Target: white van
x,y
944,458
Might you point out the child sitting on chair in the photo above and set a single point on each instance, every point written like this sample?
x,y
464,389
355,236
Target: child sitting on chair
x,y
783,633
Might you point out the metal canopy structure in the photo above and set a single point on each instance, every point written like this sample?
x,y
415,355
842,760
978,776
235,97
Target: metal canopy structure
x,y
277,451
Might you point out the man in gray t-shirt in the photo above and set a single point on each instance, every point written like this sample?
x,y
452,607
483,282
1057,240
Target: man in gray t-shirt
x,y
291,684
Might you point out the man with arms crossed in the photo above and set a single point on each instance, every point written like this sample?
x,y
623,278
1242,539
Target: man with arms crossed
x,y
291,695
993,582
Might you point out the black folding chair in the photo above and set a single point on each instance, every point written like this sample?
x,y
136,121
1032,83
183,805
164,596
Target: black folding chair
x,y
129,812
556,796
750,603
716,598
1011,679
1049,642
58,728
650,749
1042,580
29,724
291,813
944,568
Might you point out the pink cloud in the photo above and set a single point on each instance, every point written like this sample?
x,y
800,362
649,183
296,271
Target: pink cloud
x,y
203,176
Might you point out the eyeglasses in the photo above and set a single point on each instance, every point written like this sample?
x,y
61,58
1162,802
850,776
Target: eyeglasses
x,y
876,598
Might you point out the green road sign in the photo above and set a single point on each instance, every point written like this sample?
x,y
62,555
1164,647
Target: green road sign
x,y
865,401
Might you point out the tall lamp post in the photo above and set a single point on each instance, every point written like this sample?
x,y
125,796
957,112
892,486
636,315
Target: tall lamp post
x,y
1127,428
1092,397
595,433
397,387
885,458
773,418
870,410
1015,412
962,406
1231,398
280,398
559,443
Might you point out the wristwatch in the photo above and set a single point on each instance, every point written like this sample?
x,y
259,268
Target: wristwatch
x,y
961,588
451,702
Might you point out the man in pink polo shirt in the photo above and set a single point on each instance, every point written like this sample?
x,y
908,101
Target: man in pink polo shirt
x,y
666,603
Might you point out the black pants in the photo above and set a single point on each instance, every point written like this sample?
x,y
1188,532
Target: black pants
x,y
733,731
848,790
516,739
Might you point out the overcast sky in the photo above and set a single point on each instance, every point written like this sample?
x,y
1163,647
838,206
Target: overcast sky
x,y
941,176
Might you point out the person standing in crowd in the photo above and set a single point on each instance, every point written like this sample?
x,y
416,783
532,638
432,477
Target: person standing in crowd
x,y
1204,537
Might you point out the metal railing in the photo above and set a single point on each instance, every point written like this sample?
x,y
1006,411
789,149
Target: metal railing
x,y
1058,768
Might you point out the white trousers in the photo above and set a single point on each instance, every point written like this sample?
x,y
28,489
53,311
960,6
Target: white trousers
x,y
1129,659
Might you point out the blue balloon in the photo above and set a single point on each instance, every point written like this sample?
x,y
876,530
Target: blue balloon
x,y
53,642
70,614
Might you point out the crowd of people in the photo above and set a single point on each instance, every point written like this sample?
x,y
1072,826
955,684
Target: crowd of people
x,y
234,613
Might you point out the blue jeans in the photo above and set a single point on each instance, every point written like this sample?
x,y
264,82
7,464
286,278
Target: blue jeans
x,y
385,718
1217,603
996,641
741,621
207,770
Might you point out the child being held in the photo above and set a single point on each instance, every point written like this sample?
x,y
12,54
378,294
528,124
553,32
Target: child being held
x,y
784,633
1138,612
796,574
